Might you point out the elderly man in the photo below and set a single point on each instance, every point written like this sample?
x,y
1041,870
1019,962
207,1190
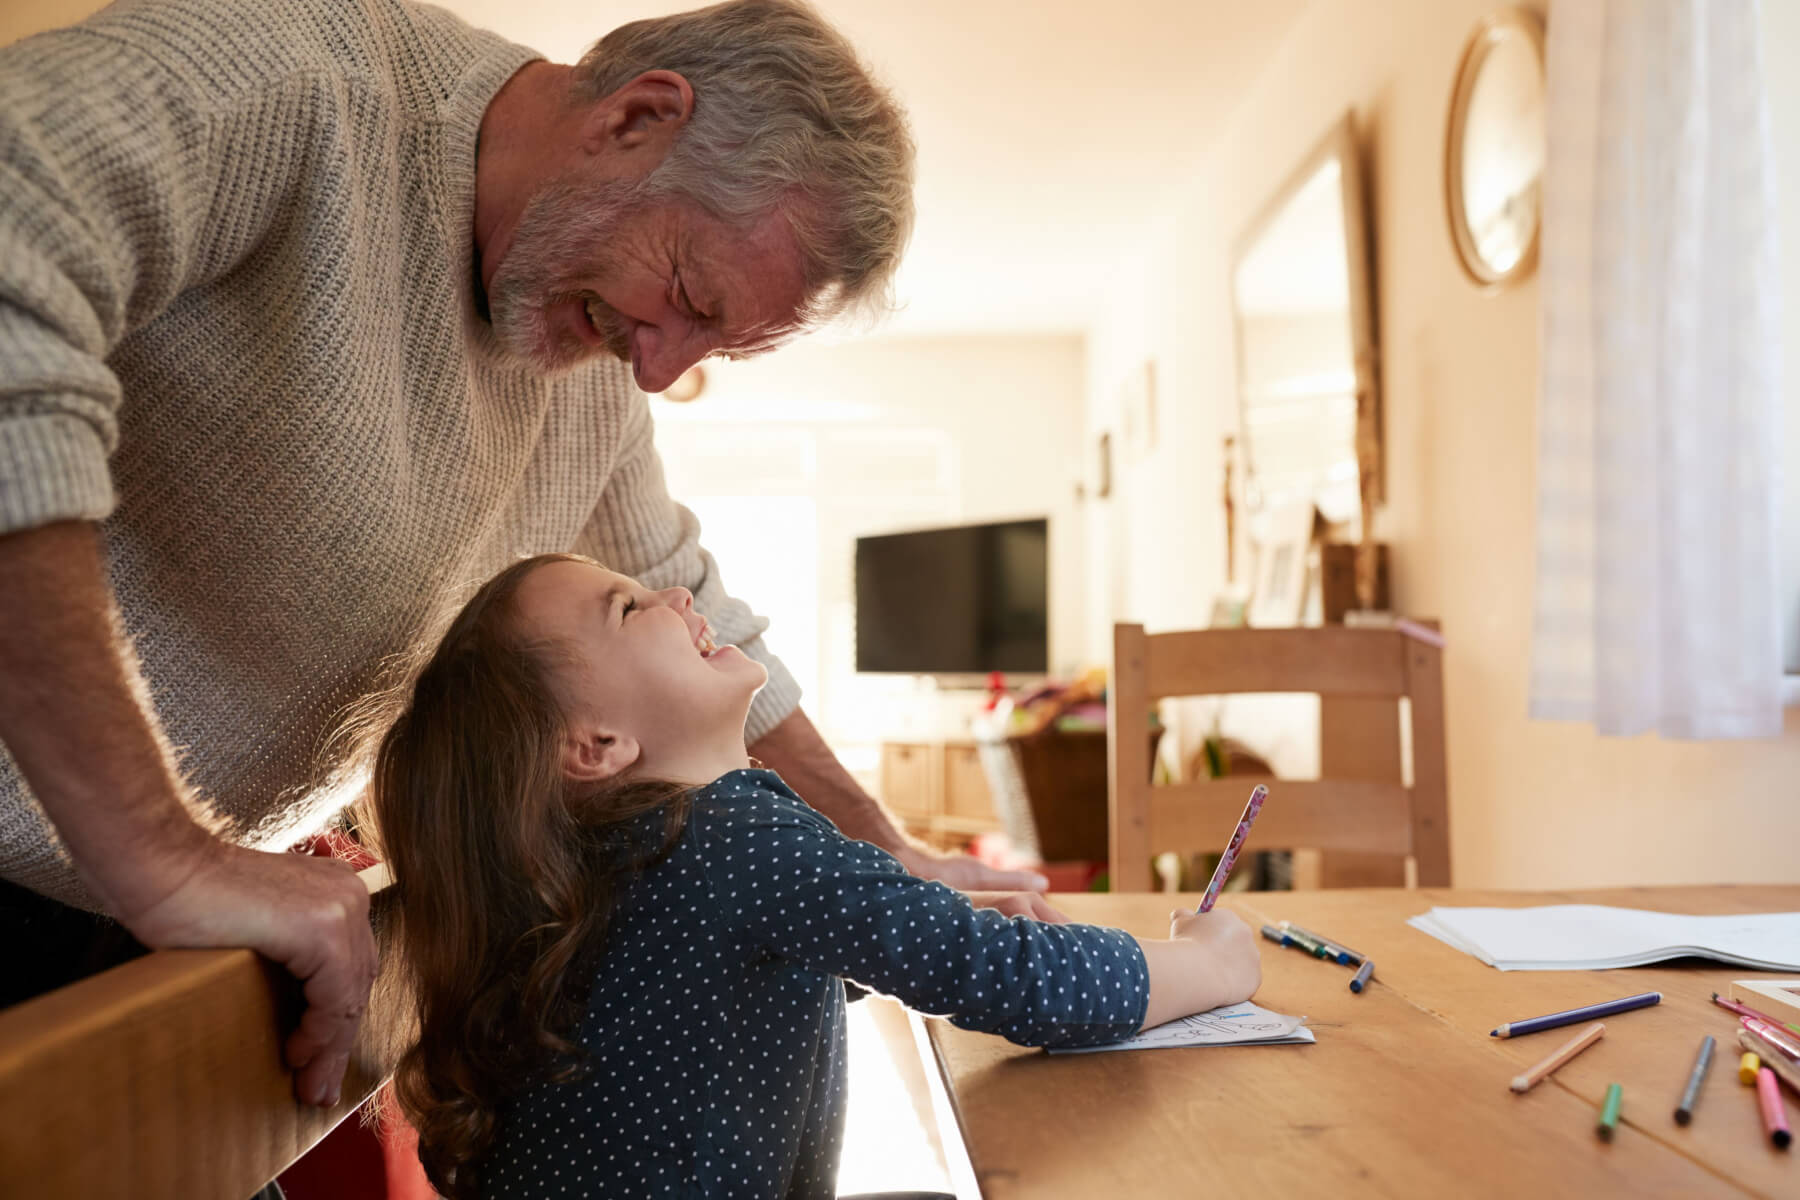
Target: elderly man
x,y
313,312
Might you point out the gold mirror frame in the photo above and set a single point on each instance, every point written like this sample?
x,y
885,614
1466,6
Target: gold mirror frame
x,y
1339,143
1489,34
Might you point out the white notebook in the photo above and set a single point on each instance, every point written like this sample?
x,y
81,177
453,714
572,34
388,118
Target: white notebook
x,y
1234,1025
1591,937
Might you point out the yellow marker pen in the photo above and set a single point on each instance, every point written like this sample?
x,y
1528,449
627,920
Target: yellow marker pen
x,y
1748,1066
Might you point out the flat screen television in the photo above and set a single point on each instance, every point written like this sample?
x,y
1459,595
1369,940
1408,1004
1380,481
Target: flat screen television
x,y
963,600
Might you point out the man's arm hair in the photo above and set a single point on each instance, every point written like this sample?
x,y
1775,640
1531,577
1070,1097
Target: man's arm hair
x,y
74,716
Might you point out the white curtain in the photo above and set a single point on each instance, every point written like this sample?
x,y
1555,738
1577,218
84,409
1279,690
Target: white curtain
x,y
1659,426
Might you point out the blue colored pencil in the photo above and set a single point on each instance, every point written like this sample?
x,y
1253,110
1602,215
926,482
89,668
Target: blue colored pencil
x,y
1587,1012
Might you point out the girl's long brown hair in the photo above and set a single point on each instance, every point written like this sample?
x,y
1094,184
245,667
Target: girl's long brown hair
x,y
506,877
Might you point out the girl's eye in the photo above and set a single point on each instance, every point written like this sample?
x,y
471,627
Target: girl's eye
x,y
629,606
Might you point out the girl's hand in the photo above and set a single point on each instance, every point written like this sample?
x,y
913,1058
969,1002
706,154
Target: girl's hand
x,y
1227,950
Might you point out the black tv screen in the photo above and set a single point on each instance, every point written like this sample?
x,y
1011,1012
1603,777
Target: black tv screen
x,y
964,600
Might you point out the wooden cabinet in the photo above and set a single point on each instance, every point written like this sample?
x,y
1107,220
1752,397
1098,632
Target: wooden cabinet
x,y
938,790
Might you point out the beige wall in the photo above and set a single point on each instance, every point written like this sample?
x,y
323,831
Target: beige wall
x,y
22,18
1534,804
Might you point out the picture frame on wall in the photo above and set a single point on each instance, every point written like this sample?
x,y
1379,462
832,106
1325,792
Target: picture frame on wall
x,y
1283,541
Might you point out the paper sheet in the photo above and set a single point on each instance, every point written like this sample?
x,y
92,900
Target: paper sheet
x,y
1592,937
1234,1025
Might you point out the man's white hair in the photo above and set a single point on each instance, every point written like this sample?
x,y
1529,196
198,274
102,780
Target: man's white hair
x,y
785,118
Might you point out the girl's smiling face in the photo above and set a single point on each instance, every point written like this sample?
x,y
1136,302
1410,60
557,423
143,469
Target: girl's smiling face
x,y
636,674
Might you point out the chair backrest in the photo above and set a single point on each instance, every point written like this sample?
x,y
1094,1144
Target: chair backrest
x,y
162,1077
1371,816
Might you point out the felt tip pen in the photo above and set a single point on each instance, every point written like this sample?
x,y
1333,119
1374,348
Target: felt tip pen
x,y
1774,1114
1777,1037
1343,953
1363,975
1690,1095
1744,1010
1609,1112
1767,1056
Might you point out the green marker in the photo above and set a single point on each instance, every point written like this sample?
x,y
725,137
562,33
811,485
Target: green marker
x,y
1609,1113
1307,941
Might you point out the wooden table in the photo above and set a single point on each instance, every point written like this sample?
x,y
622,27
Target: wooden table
x,y
1404,1094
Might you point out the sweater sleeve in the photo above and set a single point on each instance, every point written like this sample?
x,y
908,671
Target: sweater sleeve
x,y
105,170
804,892
639,530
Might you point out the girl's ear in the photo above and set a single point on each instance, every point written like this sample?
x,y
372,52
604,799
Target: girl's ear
x,y
593,755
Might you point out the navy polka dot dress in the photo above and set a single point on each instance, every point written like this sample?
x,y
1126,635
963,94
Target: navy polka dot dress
x,y
716,1020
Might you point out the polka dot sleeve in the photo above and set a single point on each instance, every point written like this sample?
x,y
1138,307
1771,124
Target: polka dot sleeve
x,y
796,887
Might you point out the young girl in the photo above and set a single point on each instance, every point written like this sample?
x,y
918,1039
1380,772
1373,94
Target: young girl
x,y
623,942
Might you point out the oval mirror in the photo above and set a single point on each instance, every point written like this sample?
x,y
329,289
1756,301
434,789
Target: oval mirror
x,y
1494,159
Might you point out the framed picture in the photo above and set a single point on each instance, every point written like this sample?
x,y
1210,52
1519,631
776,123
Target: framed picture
x,y
1283,545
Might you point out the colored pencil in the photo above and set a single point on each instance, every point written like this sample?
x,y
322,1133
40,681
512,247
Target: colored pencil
x,y
1228,859
1774,1115
1554,1020
1363,975
1744,1010
1690,1095
1609,1112
1562,1054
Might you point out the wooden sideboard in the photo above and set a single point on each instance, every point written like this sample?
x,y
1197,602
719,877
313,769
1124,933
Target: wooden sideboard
x,y
938,790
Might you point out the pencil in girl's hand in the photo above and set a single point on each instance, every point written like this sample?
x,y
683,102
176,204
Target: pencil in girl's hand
x,y
1227,859
1561,1055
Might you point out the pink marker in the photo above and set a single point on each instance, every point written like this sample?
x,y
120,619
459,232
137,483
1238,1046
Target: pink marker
x,y
1227,859
1768,1096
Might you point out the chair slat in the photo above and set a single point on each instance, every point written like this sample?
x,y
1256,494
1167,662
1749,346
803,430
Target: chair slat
x,y
1329,661
1317,814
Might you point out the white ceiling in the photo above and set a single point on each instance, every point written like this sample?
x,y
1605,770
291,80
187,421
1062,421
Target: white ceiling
x,y
1049,130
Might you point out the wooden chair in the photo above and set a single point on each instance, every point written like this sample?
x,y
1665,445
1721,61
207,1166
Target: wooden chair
x,y
1365,808
162,1077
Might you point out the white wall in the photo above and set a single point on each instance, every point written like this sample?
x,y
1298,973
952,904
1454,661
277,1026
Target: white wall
x,y
1533,804
875,436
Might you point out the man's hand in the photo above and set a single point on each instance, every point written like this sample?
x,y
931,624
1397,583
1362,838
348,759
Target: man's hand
x,y
1019,904
309,914
967,874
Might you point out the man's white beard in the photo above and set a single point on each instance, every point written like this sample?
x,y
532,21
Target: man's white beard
x,y
564,234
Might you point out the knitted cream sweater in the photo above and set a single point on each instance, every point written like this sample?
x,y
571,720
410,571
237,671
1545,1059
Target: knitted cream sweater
x,y
237,327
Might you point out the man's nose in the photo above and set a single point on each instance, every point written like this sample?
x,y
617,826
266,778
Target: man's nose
x,y
661,358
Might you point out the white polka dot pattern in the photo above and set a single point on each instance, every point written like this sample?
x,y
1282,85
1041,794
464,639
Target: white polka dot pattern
x,y
716,1019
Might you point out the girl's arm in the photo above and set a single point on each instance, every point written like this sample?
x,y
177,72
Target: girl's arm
x,y
800,890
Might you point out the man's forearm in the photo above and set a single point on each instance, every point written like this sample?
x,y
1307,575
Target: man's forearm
x,y
795,751
71,717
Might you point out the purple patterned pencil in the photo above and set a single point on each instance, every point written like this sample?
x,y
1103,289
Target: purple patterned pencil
x,y
1229,858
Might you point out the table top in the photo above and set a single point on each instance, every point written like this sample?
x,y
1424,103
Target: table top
x,y
1404,1093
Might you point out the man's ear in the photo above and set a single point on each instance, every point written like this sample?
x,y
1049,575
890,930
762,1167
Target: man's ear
x,y
594,755
641,118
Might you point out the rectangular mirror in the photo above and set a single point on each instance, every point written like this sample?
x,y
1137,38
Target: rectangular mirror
x,y
1304,310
